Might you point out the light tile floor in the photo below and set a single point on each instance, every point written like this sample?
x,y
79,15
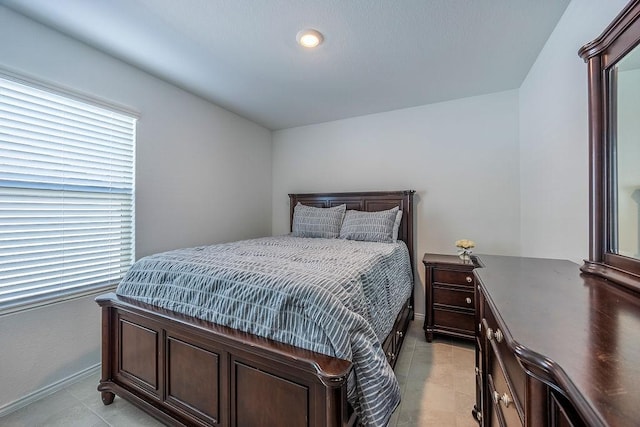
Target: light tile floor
x,y
436,379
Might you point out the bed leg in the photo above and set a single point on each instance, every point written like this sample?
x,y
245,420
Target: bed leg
x,y
107,397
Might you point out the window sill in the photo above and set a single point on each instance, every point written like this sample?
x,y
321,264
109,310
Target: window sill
x,y
42,301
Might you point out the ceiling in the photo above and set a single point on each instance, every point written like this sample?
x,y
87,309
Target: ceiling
x,y
378,55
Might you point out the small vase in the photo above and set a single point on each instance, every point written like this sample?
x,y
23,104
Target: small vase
x,y
465,255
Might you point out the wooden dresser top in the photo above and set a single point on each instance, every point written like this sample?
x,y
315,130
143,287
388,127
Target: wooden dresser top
x,y
580,330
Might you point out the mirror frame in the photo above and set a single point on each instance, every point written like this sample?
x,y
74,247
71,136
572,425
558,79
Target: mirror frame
x,y
601,55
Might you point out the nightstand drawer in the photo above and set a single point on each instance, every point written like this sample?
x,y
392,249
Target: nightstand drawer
x,y
454,320
453,277
454,297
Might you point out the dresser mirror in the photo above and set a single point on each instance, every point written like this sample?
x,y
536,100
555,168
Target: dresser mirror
x,y
625,138
613,61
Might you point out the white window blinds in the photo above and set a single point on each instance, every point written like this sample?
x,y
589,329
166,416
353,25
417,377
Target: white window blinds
x,y
66,196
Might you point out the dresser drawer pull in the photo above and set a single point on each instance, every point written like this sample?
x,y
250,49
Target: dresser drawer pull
x,y
489,334
506,400
469,279
391,356
468,300
399,334
498,335
496,397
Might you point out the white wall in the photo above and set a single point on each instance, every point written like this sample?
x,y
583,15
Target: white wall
x,y
508,170
461,157
203,176
554,137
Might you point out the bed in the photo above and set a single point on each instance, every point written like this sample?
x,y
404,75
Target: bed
x,y
157,358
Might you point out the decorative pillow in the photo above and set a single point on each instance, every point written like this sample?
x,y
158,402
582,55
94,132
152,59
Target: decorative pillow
x,y
317,222
396,225
369,226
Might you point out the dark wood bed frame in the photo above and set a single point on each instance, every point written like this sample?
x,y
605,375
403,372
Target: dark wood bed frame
x,y
186,371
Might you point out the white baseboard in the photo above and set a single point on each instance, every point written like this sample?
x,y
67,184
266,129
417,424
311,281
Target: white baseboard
x,y
50,389
418,316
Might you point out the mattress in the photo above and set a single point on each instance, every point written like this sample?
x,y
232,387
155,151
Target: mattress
x,y
333,296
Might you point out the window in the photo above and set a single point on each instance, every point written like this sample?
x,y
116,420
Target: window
x,y
66,196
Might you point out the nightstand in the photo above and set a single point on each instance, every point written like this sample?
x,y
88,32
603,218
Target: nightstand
x,y
449,296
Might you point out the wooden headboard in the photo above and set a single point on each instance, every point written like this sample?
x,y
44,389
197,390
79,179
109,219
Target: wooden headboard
x,y
368,201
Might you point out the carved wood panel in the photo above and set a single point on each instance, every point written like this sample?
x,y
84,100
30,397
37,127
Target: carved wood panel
x,y
138,354
193,379
288,401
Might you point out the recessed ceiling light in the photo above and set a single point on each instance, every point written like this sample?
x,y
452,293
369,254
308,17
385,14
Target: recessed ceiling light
x,y
309,38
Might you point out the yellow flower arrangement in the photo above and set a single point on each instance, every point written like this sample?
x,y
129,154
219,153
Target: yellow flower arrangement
x,y
464,248
465,244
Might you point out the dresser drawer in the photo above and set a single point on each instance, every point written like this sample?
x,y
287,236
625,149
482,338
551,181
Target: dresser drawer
x,y
461,298
454,320
504,359
562,413
453,277
503,398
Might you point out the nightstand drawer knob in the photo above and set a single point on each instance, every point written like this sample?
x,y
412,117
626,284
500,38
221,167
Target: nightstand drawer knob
x,y
399,334
498,335
468,300
496,397
469,279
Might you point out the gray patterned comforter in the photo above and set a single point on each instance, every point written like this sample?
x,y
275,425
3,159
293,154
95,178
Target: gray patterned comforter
x,y
333,296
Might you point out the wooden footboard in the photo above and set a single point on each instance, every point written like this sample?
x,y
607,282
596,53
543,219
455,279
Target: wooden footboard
x,y
186,371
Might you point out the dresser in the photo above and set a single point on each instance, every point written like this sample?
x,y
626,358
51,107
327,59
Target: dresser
x,y
449,296
554,347
558,344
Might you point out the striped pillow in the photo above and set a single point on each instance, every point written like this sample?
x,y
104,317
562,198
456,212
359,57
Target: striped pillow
x,y
317,222
396,225
369,226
